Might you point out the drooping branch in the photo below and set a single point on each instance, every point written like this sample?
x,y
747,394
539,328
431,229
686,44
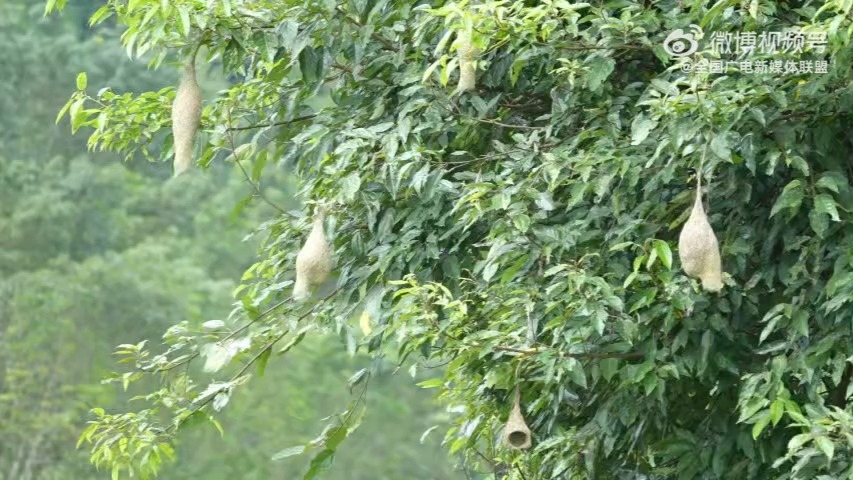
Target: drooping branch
x,y
386,44
251,362
593,355
271,124
254,184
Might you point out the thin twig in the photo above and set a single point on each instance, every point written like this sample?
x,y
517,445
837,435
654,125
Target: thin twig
x,y
535,351
272,124
254,359
171,367
272,309
246,367
501,124
386,44
491,463
256,319
254,185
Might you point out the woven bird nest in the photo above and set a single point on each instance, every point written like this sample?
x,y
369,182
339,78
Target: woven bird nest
x,y
516,432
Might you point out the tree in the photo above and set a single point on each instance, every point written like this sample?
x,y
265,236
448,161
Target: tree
x,y
524,231
95,252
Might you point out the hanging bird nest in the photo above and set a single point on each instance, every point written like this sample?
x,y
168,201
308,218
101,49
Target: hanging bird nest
x,y
186,118
314,260
516,432
467,54
698,248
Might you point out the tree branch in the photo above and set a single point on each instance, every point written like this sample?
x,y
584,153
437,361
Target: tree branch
x,y
386,44
272,124
170,367
254,185
507,125
534,351
246,367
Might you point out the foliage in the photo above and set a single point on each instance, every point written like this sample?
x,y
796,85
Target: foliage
x,y
94,253
524,232
267,418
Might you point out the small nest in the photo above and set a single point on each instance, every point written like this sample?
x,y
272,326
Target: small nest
x,y
186,118
698,249
314,260
467,55
516,432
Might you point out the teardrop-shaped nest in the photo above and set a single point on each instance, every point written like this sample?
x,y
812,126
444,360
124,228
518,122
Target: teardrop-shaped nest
x,y
314,260
186,119
516,432
467,53
698,248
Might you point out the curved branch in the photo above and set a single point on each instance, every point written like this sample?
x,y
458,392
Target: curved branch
x,y
272,124
254,185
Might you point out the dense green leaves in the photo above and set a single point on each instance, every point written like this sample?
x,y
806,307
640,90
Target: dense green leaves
x,y
94,253
522,234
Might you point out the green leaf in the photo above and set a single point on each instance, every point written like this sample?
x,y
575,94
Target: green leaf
x,y
263,359
664,252
621,246
640,128
289,452
598,69
824,203
830,182
427,432
521,222
653,255
576,372
220,400
798,441
608,367
350,186
184,14
791,198
431,383
768,329
357,378
759,425
310,65
319,464
64,109
777,409
82,81
166,449
296,340
665,87
826,446
819,222
720,147
707,341
78,114
799,163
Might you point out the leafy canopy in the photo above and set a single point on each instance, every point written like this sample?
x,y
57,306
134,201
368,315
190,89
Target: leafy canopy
x,y
523,232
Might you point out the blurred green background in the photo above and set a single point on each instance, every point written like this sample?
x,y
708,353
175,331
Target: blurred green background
x,y
94,253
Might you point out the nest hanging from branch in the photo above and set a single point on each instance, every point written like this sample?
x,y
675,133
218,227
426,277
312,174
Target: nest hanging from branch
x,y
516,432
698,248
186,118
467,55
314,260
